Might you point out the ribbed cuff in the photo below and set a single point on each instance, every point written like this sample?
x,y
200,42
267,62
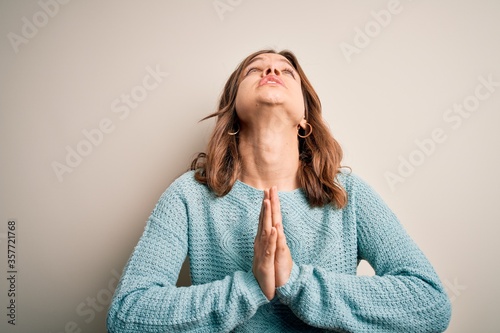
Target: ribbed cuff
x,y
252,287
288,291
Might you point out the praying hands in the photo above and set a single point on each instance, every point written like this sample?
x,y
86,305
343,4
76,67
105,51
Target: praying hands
x,y
272,263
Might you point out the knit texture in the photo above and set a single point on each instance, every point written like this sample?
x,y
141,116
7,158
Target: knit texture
x,y
323,292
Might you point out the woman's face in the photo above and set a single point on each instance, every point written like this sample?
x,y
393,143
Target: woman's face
x,y
269,82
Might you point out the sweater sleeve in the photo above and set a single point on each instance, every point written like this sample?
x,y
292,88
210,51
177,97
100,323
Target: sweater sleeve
x,y
147,299
405,295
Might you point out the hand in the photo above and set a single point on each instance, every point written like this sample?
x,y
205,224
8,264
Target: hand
x,y
282,258
272,263
264,250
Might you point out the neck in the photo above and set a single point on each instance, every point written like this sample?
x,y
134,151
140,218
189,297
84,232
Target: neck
x,y
270,157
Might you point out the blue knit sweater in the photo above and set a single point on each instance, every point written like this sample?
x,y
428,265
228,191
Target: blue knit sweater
x,y
323,292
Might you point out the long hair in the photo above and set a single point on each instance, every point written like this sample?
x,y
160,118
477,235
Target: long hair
x,y
320,154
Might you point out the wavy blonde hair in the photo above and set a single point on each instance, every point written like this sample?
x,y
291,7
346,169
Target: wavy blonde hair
x,y
320,154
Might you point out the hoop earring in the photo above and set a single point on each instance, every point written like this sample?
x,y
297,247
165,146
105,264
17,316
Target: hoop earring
x,y
235,132
309,133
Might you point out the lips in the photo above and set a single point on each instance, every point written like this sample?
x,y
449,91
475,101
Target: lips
x,y
271,79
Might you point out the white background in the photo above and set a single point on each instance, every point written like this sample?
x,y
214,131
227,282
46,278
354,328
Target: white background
x,y
69,72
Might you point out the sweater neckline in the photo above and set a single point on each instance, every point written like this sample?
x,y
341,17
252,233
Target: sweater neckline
x,y
239,185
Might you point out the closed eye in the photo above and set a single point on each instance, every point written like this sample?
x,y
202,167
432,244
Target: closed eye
x,y
289,72
251,70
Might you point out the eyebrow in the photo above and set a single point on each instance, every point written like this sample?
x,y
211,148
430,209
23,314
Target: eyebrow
x,y
260,59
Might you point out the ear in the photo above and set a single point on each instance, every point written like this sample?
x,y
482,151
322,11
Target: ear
x,y
303,123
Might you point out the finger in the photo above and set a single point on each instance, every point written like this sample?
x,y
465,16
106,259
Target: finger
x,y
275,206
270,248
266,269
281,238
283,259
261,218
262,210
266,219
263,264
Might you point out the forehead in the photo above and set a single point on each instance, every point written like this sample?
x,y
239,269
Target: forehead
x,y
265,57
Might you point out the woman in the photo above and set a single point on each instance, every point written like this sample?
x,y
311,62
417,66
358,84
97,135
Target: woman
x,y
274,229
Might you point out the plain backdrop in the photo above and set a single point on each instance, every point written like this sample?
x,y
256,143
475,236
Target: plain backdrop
x,y
100,103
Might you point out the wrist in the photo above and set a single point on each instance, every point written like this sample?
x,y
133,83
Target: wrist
x,y
287,291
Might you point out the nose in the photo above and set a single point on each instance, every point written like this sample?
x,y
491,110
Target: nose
x,y
272,70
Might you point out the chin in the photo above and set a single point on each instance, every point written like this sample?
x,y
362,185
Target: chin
x,y
272,99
